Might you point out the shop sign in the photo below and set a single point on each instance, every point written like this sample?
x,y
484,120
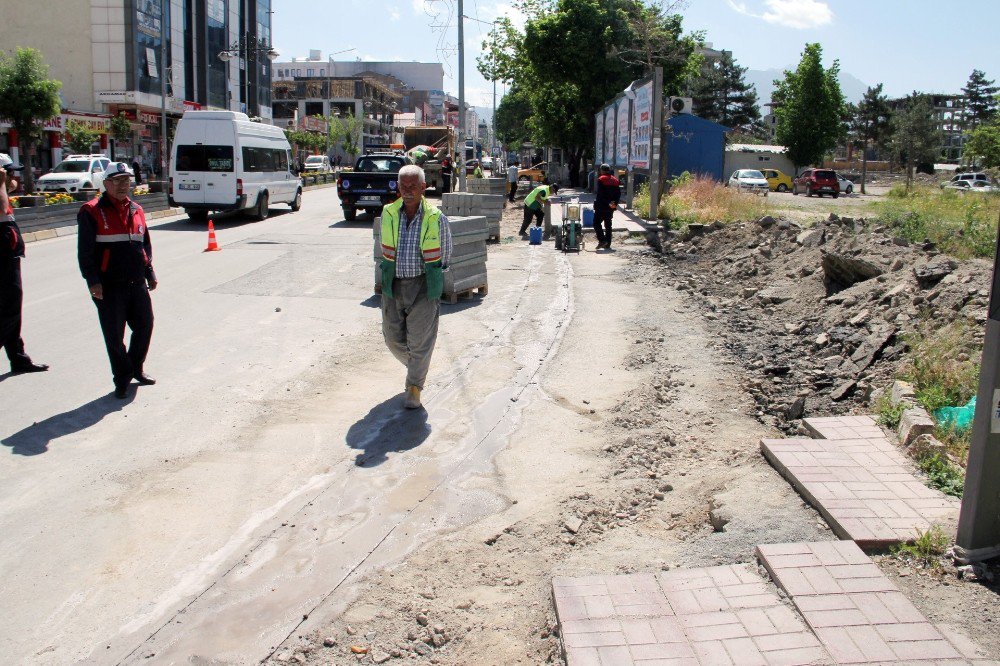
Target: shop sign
x,y
312,124
117,96
149,118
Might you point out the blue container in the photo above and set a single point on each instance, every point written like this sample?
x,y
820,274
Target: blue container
x,y
588,217
535,236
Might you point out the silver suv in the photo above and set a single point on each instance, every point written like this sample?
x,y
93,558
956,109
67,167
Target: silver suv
x,y
75,173
970,178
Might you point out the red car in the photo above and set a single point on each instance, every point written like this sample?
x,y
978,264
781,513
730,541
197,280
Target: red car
x,y
817,181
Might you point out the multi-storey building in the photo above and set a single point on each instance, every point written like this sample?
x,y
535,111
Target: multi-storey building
x,y
118,56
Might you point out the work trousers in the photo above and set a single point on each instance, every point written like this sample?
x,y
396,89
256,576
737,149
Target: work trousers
x,y
445,183
511,191
126,303
602,223
537,213
410,326
11,300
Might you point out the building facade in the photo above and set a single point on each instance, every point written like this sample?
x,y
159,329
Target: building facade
x,y
119,56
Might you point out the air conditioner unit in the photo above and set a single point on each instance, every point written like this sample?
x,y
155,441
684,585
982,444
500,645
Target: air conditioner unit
x,y
677,105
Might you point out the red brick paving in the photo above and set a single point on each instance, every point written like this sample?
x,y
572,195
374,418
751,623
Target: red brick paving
x,y
859,482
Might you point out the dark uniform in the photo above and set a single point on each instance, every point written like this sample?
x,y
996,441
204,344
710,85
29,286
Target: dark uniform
x,y
12,295
115,252
608,191
446,172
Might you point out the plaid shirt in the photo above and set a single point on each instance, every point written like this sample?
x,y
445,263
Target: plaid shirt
x,y
409,259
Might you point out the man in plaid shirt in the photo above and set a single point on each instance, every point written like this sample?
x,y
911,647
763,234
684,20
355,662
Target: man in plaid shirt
x,y
416,250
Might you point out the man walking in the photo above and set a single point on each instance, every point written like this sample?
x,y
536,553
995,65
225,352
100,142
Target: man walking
x,y
11,292
533,205
609,194
512,181
416,250
116,260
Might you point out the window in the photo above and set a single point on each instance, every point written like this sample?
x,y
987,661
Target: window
x,y
309,72
205,158
264,159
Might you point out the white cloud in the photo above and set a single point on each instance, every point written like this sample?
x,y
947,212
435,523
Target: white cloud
x,y
798,14
394,14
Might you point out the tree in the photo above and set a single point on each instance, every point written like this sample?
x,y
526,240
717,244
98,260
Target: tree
x,y
346,131
121,130
512,117
980,100
28,97
871,124
809,108
984,143
79,137
720,93
915,137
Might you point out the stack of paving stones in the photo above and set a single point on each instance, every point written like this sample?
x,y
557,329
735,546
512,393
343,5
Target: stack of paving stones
x,y
463,204
848,612
487,185
859,482
467,272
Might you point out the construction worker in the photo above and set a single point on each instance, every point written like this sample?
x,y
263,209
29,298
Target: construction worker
x,y
534,205
609,194
11,292
446,171
416,250
116,260
478,171
512,181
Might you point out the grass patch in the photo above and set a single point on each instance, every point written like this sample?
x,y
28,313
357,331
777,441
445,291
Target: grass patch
x,y
926,549
703,201
961,224
941,474
940,366
889,413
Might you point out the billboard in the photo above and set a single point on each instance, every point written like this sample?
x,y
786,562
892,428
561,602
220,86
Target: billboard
x,y
599,138
642,125
621,155
609,134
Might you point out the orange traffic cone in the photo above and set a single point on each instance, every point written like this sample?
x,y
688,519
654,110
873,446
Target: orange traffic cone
x,y
213,245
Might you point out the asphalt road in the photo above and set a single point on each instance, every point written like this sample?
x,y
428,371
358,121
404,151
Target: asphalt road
x,y
205,516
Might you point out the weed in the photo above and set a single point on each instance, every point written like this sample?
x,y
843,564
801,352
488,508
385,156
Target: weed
x,y
926,548
940,366
955,442
889,413
703,200
941,474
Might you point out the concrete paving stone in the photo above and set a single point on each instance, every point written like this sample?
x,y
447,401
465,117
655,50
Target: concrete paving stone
x,y
744,651
933,649
798,657
680,579
638,632
848,617
595,639
667,630
716,632
822,580
583,657
684,602
617,655
649,652
585,626
712,652
598,607
786,641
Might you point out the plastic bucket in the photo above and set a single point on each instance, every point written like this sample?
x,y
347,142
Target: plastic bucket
x,y
535,236
588,217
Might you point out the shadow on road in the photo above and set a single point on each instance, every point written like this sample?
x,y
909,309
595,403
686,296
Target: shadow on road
x,y
226,220
35,439
387,428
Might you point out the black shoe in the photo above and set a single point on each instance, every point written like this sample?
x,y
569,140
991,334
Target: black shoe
x,y
28,367
144,379
120,391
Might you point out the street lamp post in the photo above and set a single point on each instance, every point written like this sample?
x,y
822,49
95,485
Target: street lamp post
x,y
249,49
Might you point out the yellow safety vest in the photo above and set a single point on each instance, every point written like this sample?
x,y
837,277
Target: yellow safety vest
x,y
529,200
430,247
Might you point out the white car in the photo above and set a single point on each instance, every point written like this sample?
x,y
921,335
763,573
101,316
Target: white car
x,y
970,177
971,186
317,163
846,186
751,180
75,173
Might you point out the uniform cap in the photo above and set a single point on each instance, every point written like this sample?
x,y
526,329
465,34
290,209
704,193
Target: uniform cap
x,y
118,169
606,167
7,164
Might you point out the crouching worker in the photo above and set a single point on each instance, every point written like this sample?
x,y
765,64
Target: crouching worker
x,y
533,205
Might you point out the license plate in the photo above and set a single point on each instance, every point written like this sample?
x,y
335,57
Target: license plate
x,y
190,186
369,199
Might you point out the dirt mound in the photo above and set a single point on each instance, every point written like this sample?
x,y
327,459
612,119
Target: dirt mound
x,y
819,316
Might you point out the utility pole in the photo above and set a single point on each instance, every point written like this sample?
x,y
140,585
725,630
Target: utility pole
x,y
657,144
164,8
460,162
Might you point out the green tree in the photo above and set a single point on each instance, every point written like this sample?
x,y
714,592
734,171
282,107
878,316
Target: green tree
x,y
513,113
984,143
915,136
28,97
809,108
720,93
79,137
870,124
346,131
980,100
121,130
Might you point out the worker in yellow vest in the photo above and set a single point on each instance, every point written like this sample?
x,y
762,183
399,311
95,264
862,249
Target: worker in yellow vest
x,y
533,205
416,250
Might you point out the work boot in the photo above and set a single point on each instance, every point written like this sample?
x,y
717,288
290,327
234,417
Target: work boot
x,y
412,397
144,379
21,368
121,390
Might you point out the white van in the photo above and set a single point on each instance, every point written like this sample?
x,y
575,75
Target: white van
x,y
223,161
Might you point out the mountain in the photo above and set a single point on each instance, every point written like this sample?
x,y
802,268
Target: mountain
x,y
763,80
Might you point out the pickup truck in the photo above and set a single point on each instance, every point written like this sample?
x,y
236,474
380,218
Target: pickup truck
x,y
372,184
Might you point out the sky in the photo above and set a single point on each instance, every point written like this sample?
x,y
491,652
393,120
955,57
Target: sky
x,y
924,45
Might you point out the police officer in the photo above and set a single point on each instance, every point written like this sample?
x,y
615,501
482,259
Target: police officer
x,y
11,293
116,260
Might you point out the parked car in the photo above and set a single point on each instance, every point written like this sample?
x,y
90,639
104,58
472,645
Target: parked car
x,y
486,162
972,186
317,163
970,177
777,180
534,173
818,182
75,173
751,180
846,186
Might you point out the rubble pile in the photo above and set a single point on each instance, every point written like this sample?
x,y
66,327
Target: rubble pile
x,y
819,317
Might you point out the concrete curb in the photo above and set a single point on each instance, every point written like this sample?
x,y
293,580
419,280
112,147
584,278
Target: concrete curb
x,y
70,229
